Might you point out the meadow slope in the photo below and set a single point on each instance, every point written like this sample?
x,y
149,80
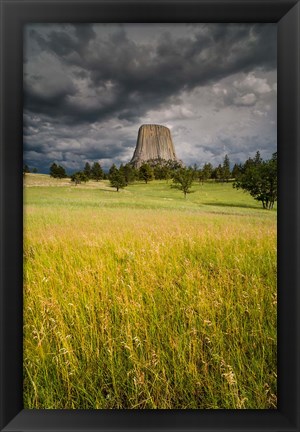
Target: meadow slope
x,y
144,299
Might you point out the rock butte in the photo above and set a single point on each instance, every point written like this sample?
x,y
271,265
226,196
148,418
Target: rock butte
x,y
154,142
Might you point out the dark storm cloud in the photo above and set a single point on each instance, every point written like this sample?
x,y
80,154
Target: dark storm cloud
x,y
68,39
147,74
45,142
84,32
76,75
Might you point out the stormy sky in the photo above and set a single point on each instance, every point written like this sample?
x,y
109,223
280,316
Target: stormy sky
x,y
89,87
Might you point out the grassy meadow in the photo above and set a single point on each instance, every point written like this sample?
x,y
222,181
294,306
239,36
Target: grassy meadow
x,y
144,299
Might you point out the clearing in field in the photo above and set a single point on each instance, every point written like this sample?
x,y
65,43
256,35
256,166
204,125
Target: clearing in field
x,y
144,299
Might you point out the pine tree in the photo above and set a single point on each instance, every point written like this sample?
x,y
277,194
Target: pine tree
x,y
25,170
146,172
57,171
53,170
97,172
61,172
207,171
218,173
112,170
226,169
129,173
236,170
87,170
117,179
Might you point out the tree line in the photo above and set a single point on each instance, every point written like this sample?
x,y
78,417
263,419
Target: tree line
x,y
153,169
27,170
255,176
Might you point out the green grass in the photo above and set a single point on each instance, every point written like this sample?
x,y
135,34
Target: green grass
x,y
144,299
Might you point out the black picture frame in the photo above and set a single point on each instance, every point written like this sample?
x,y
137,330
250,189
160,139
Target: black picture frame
x,y
14,14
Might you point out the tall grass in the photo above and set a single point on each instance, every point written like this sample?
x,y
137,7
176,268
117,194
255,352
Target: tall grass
x,y
142,299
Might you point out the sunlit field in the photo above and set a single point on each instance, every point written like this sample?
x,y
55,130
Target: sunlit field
x,y
144,299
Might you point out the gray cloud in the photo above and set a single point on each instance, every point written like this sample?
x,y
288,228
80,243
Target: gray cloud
x,y
104,80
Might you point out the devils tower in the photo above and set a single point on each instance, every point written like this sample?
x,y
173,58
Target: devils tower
x,y
154,142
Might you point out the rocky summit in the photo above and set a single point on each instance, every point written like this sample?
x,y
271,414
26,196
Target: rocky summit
x,y
154,142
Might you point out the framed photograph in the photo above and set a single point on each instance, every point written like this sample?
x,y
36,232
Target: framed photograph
x,y
149,215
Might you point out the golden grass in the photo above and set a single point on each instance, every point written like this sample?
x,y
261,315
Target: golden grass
x,y
148,308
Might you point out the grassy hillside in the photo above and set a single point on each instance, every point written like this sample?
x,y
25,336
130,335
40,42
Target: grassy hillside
x,y
144,299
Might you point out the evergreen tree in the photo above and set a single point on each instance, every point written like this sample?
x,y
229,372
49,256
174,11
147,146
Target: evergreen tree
x,y
78,177
112,170
117,179
61,172
166,173
87,170
158,172
226,169
218,173
146,172
53,170
236,170
25,170
57,171
129,173
201,175
257,159
255,162
97,172
207,171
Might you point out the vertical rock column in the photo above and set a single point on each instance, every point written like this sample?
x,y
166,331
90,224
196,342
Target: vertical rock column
x,y
153,142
